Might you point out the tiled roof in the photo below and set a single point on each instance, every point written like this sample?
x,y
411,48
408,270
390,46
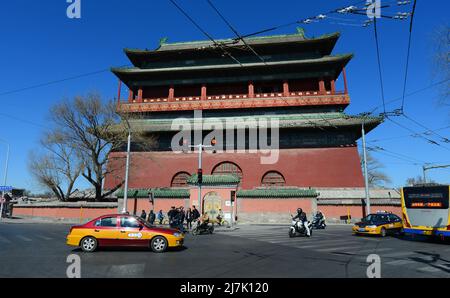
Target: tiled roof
x,y
157,192
277,193
215,179
306,120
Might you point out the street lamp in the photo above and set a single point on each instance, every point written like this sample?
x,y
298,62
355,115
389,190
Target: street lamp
x,y
5,176
366,182
200,171
127,169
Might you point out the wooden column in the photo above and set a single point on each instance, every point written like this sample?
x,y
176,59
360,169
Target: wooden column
x,y
322,86
203,93
345,81
286,88
130,95
333,87
251,90
118,91
139,99
171,93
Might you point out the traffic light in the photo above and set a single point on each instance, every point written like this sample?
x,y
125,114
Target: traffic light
x,y
200,176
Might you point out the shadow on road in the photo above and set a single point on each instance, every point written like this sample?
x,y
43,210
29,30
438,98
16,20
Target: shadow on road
x,y
133,249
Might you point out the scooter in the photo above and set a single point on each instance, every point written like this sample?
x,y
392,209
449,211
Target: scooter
x,y
299,228
198,230
319,223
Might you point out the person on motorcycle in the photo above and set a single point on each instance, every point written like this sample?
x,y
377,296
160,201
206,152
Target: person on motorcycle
x,y
301,216
319,216
204,221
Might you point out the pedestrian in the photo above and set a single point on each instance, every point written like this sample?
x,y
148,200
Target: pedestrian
x,y
143,215
160,217
182,216
189,218
171,214
151,217
195,213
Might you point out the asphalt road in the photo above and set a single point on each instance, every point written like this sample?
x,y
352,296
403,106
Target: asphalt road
x,y
39,250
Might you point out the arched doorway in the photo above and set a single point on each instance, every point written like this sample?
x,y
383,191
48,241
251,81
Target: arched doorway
x,y
180,179
273,178
212,202
227,167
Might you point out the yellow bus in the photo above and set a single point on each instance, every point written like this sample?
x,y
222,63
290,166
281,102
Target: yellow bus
x,y
426,210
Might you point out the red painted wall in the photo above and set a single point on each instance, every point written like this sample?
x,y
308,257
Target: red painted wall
x,y
316,167
60,212
286,206
336,211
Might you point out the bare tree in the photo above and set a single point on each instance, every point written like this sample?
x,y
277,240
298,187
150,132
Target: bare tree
x,y
94,129
58,168
375,176
418,180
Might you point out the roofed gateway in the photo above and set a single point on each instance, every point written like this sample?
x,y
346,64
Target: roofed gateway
x,y
293,79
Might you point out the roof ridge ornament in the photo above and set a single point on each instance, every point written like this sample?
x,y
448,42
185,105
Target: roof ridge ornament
x,y
163,41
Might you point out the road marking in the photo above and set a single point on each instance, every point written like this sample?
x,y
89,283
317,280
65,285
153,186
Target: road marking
x,y
398,254
126,270
399,262
431,268
375,250
336,248
330,243
3,239
44,237
23,238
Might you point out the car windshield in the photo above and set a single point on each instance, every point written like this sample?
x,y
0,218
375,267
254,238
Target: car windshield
x,y
375,218
145,223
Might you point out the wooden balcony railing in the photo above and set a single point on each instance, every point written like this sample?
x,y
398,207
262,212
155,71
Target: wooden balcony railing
x,y
235,101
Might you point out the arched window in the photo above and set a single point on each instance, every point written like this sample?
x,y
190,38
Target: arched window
x,y
180,179
273,178
227,167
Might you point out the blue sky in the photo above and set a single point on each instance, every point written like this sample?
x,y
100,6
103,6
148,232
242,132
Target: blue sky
x,y
40,44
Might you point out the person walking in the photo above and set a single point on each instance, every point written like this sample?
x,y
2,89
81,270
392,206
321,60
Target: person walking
x,y
189,218
160,217
143,215
171,214
195,213
151,217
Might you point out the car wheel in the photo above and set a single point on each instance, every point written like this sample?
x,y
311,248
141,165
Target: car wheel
x,y
383,232
88,244
158,244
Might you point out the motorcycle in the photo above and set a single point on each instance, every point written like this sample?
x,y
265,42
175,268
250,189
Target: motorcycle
x,y
299,228
319,223
199,229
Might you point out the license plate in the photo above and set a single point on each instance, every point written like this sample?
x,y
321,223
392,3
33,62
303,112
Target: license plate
x,y
362,229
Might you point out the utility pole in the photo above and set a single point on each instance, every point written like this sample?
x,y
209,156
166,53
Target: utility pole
x,y
426,168
4,178
366,179
127,169
200,171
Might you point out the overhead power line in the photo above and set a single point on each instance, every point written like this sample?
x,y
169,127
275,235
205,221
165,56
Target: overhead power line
x,y
407,54
235,31
53,82
217,44
379,63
